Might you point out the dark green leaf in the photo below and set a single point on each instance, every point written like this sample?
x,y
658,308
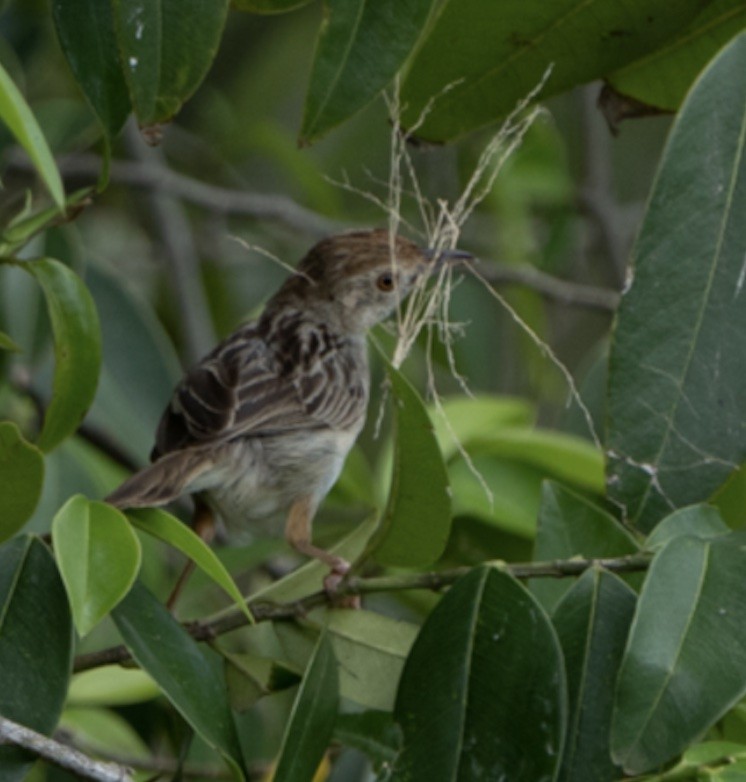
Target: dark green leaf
x,y
663,77
481,57
190,677
22,478
250,678
16,114
77,348
482,695
676,391
85,29
685,663
171,530
571,526
166,48
309,729
267,6
699,521
361,46
36,642
98,555
592,622
415,526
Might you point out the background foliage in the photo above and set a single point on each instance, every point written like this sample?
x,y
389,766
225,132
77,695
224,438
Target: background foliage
x,y
120,264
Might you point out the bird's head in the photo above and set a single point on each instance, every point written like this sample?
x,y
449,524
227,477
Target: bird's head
x,y
355,280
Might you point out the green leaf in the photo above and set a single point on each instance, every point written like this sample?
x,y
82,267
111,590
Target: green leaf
x,y
663,77
311,722
6,343
16,114
372,732
36,643
22,478
77,348
462,420
676,391
166,48
25,225
685,663
371,650
592,622
98,555
85,30
699,521
482,695
111,685
417,521
481,57
571,526
564,456
103,732
189,677
171,530
361,46
249,678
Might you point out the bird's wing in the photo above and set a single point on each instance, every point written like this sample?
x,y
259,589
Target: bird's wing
x,y
244,387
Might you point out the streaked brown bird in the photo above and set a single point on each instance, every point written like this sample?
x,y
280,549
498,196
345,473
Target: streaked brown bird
x,y
264,422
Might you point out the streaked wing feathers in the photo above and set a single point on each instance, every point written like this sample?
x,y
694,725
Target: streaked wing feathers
x,y
245,387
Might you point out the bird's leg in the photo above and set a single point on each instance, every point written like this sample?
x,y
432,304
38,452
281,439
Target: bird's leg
x,y
298,535
203,523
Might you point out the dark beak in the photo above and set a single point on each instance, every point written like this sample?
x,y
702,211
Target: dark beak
x,y
442,257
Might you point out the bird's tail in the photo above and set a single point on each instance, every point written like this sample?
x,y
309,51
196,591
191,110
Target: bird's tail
x,y
161,482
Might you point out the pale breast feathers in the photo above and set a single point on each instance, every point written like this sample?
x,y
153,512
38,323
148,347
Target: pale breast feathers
x,y
254,386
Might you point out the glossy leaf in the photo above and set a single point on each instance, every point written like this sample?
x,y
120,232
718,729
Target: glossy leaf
x,y
166,48
482,695
311,722
361,47
85,30
77,348
16,114
663,77
189,677
22,478
171,530
98,555
571,526
592,621
481,57
415,526
685,662
36,642
699,521
676,396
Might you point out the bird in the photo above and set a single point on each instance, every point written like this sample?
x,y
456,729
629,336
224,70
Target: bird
x,y
263,423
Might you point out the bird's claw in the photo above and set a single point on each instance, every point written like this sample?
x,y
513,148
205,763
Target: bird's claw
x,y
332,582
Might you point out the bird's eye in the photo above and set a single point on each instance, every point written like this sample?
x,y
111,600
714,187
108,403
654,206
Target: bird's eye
x,y
385,282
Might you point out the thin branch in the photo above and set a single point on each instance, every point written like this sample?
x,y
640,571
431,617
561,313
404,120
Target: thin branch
x,y
61,755
86,167
234,618
571,293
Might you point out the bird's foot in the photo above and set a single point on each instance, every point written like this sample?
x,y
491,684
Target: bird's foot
x,y
332,582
